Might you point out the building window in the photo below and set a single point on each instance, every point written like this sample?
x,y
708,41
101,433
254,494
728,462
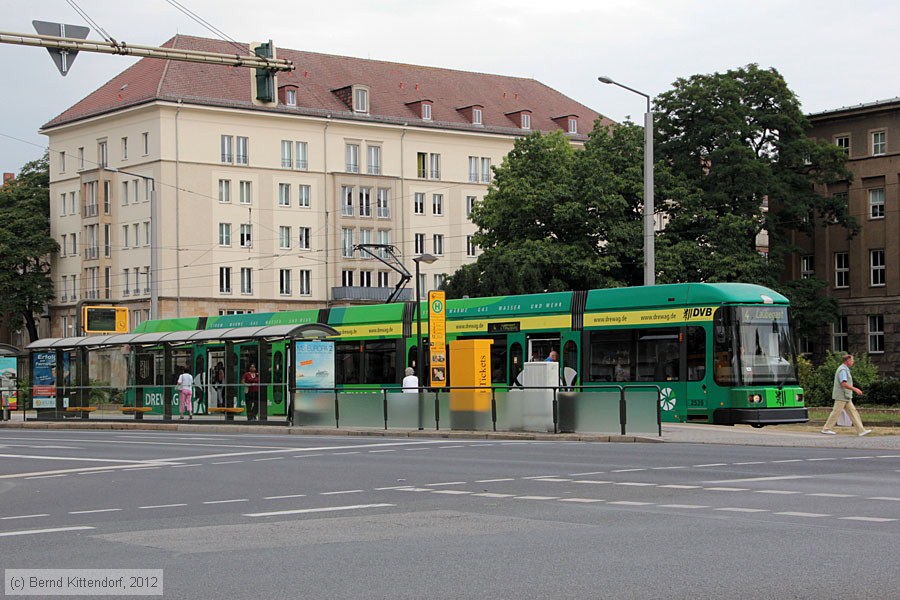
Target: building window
x,y
225,190
287,156
81,158
225,234
243,151
284,194
347,200
383,203
365,237
876,203
246,235
470,203
423,291
352,158
573,125
246,192
145,143
879,143
807,266
360,100
303,196
126,277
843,142
485,170
876,334
147,233
124,148
125,244
124,193
301,157
420,243
473,169
841,270
62,162
526,121
437,204
227,147
470,246
246,280
877,268
347,278
365,202
383,237
439,281
373,164
422,165
476,116
365,278
102,156
437,242
290,97
419,203
303,238
284,237
284,282
305,282
384,279
107,196
346,242
435,162
426,111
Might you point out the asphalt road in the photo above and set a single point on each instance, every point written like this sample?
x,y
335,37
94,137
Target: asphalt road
x,y
255,515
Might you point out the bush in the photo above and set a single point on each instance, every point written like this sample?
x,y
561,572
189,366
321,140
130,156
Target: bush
x,y
883,391
817,390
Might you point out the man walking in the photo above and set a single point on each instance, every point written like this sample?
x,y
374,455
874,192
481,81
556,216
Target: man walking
x,y
842,394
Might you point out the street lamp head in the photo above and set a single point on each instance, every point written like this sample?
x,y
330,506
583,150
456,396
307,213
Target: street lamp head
x,y
425,258
605,79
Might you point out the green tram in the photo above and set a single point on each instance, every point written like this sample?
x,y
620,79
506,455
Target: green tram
x,y
720,353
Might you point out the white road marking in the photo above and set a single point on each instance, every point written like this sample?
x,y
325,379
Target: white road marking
x,y
584,474
726,489
346,453
553,479
745,510
494,480
818,459
634,484
492,495
682,506
377,451
888,456
869,519
301,511
161,506
88,512
340,492
827,495
892,499
626,470
24,517
790,460
46,476
676,486
630,503
801,514
227,501
415,489
145,468
667,468
310,455
36,531
97,472
452,492
584,500
713,465
784,492
536,497
597,481
227,462
448,447
186,466
393,487
774,478
538,476
445,483
270,458
857,457
285,497
752,462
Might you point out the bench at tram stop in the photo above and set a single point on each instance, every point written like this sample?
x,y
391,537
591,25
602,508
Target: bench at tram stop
x,y
80,411
137,411
228,411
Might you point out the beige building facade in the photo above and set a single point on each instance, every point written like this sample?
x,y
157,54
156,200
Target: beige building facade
x,y
235,204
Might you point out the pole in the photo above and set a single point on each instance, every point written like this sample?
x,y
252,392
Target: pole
x,y
649,225
154,251
419,354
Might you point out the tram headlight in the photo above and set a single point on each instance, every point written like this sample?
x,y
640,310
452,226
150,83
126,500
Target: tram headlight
x,y
754,398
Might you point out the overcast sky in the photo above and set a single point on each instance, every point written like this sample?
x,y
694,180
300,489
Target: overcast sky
x,y
832,53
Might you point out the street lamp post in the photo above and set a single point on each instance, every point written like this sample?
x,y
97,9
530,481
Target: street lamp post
x,y
420,352
649,230
154,240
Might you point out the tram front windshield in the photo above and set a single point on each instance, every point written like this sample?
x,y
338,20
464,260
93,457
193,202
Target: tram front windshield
x,y
754,346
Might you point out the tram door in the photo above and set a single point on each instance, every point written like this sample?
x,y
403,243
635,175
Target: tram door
x,y
539,347
215,390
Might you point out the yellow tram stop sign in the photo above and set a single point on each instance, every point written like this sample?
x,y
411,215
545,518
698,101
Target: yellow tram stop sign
x,y
104,319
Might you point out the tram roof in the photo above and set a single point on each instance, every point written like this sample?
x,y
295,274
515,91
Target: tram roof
x,y
305,331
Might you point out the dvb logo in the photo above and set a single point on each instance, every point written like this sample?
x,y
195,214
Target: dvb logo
x,y
697,313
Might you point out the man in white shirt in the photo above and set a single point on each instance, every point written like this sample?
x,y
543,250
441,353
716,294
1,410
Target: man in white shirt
x,y
410,382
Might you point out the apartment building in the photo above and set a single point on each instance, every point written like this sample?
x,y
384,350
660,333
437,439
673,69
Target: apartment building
x,y
863,271
242,197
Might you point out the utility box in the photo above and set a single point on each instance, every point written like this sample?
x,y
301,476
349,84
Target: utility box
x,y
470,368
536,400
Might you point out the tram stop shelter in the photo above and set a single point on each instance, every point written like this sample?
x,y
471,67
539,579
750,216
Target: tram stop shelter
x,y
63,385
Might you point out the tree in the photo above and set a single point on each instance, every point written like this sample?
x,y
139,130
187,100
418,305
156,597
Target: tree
x,y
740,138
26,245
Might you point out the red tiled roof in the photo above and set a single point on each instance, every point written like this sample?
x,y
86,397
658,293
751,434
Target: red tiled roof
x,y
392,89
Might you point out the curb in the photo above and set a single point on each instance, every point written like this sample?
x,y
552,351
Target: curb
x,y
320,431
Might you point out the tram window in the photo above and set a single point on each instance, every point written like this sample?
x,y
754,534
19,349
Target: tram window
x,y
498,362
515,362
380,362
658,354
347,362
610,356
696,353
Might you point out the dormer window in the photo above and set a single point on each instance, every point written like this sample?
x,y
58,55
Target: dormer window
x,y
290,97
360,99
473,113
522,118
573,125
476,116
426,111
568,123
526,121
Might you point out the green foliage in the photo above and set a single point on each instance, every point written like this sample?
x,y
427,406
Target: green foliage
x,y
26,245
811,308
806,373
818,390
740,139
884,392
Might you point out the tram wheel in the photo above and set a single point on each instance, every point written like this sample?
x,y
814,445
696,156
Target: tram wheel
x,y
757,425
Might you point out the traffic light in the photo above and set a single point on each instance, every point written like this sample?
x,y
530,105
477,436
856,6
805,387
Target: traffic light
x,y
104,319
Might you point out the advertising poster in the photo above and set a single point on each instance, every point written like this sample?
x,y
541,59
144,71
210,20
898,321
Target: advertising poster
x,y
43,371
8,381
314,364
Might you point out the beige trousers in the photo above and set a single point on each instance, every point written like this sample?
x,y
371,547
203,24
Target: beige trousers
x,y
839,407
